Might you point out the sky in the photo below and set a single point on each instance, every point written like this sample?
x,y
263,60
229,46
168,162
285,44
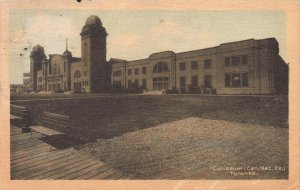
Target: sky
x,y
137,34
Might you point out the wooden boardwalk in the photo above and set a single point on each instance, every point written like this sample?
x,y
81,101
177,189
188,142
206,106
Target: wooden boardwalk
x,y
31,158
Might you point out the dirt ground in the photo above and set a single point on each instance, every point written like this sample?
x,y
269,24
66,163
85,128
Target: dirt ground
x,y
196,148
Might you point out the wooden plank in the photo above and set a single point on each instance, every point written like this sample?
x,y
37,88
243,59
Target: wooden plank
x,y
84,171
25,146
28,157
29,149
25,142
104,174
56,167
72,170
36,160
35,150
94,172
52,156
45,130
44,168
114,176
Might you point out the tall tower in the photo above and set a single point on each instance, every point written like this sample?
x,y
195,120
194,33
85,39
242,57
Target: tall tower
x,y
67,57
36,57
93,53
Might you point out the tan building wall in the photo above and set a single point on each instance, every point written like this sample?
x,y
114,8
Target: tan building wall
x,y
250,68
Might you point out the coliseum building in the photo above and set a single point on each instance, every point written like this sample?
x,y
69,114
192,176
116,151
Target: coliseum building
x,y
243,67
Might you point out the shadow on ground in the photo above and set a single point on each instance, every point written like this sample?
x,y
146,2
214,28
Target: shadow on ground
x,y
110,116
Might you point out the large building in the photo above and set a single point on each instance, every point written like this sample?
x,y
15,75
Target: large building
x,y
244,67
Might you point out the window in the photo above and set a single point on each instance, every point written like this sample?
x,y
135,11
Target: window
x,y
236,80
136,71
144,70
244,60
40,79
129,84
194,81
227,61
245,79
116,73
129,71
77,74
235,60
194,65
65,66
182,82
207,81
160,67
117,84
144,83
207,63
182,66
160,83
136,83
227,80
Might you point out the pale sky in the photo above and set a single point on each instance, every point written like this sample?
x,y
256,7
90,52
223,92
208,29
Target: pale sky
x,y
137,34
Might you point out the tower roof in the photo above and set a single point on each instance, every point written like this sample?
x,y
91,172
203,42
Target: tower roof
x,y
93,20
38,50
93,24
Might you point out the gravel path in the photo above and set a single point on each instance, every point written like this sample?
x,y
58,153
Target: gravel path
x,y
196,148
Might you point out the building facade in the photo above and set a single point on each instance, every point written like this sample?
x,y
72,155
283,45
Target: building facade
x,y
243,67
63,72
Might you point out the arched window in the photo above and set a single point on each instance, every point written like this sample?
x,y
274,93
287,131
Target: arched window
x,y
55,69
40,79
160,67
77,74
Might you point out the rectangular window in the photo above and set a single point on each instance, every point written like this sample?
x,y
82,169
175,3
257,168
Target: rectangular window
x,y
207,81
227,80
129,71
144,70
182,82
245,79
207,63
227,61
194,65
144,83
194,81
136,82
182,66
129,84
136,71
236,80
235,60
244,60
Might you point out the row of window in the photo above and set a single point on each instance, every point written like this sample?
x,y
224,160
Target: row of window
x,y
194,65
236,80
236,60
117,73
163,67
194,81
159,83
136,83
136,71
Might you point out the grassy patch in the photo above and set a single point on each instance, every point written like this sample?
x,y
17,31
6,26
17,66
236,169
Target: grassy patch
x,y
109,115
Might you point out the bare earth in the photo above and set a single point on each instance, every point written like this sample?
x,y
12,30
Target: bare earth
x,y
196,148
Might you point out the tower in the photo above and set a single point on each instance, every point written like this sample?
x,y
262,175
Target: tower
x,y
67,56
36,57
93,53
